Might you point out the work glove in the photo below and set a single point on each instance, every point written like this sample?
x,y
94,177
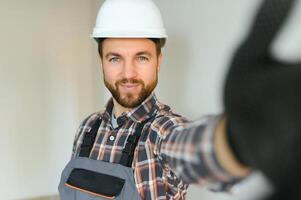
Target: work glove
x,y
262,99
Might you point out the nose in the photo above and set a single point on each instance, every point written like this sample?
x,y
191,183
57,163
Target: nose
x,y
129,69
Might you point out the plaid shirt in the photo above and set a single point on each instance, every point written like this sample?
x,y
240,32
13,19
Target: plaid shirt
x,y
171,153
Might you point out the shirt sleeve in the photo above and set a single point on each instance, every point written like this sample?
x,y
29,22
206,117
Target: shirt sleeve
x,y
189,151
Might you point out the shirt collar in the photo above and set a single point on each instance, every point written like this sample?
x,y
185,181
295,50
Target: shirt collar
x,y
139,114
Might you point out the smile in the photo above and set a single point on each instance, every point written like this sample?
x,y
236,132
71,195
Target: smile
x,y
129,86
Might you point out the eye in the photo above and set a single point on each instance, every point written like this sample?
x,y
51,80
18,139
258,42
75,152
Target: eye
x,y
142,59
114,59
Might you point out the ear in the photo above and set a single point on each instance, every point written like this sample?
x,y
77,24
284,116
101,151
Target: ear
x,y
160,57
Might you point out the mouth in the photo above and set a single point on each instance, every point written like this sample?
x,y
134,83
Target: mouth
x,y
129,86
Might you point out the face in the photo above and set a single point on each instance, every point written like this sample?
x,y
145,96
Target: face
x,y
130,68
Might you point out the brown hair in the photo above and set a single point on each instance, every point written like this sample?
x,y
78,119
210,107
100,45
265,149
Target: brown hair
x,y
159,42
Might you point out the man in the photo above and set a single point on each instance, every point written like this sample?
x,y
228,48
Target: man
x,y
137,148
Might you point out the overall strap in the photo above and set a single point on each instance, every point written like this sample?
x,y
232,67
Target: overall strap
x,y
89,139
128,151
131,143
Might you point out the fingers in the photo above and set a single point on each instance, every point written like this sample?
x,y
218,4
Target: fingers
x,y
267,23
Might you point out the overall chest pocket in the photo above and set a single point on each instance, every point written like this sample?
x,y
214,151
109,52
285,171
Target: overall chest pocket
x,y
94,185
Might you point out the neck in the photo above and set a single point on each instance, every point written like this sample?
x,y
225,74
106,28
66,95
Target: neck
x,y
119,109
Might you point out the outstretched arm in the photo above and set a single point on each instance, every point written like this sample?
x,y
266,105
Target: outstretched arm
x,y
198,152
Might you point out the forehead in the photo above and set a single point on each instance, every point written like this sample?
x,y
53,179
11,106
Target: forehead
x,y
128,45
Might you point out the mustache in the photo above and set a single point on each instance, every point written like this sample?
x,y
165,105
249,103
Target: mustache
x,y
129,80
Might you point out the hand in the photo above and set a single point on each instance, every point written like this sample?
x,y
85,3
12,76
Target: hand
x,y
263,104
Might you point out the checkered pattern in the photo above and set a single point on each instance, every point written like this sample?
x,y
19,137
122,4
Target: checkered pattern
x,y
171,153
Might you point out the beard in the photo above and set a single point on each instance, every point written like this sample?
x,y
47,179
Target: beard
x,y
128,99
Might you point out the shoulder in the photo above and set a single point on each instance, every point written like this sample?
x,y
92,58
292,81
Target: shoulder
x,y
85,126
166,119
88,121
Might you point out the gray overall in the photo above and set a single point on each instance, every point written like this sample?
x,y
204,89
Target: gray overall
x,y
87,179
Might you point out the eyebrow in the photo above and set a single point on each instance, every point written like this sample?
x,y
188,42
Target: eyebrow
x,y
112,54
144,53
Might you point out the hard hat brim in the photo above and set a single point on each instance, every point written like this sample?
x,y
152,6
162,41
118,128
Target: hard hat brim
x,y
101,33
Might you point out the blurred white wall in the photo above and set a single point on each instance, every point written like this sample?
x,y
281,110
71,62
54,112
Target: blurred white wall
x,y
50,80
48,84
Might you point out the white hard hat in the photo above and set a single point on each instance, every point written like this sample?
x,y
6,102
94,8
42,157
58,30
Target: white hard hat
x,y
129,19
